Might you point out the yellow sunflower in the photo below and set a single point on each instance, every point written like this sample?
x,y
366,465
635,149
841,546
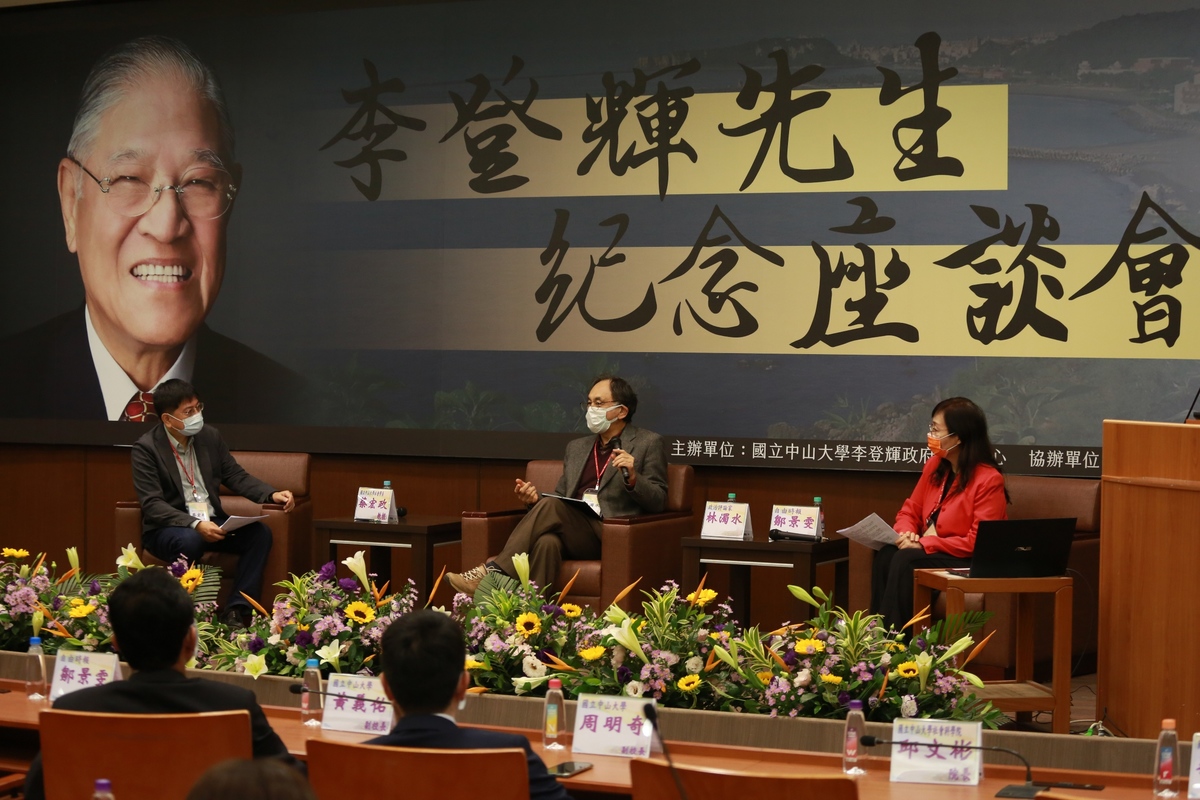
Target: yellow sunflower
x,y
360,612
689,683
528,624
13,552
76,601
908,669
473,664
706,597
808,647
592,653
765,676
79,612
191,579
571,611
832,680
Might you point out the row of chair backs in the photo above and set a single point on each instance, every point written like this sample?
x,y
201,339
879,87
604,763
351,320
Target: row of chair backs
x,y
160,756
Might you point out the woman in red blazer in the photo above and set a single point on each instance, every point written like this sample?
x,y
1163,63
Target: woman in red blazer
x,y
960,485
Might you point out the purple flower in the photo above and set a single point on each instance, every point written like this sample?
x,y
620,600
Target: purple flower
x,y
348,584
552,610
790,658
624,674
303,639
255,644
94,589
822,635
56,604
843,699
178,567
327,571
919,643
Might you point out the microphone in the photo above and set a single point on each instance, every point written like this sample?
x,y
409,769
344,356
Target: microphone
x,y
616,443
651,713
1188,416
1027,790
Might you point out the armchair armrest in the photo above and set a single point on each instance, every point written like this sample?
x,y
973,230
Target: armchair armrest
x,y
648,519
647,547
484,533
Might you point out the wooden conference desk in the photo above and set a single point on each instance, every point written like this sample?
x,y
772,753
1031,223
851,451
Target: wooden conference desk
x,y
609,776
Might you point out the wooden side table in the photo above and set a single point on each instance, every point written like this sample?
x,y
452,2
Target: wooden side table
x,y
1022,694
420,533
800,557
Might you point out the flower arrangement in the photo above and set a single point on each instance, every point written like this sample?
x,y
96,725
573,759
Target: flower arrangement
x,y
338,622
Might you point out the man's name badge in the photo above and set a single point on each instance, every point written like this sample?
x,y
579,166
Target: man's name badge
x,y
725,520
356,703
375,505
198,510
79,669
593,502
611,726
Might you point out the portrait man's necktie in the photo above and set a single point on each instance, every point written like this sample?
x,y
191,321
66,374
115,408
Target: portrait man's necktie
x,y
139,408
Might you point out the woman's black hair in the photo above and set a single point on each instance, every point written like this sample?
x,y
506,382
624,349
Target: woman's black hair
x,y
965,420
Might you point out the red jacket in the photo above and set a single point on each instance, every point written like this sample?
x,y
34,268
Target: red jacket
x,y
958,521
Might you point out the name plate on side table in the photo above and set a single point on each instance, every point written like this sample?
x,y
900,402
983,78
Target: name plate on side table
x,y
375,505
612,726
725,520
356,703
797,522
935,751
79,669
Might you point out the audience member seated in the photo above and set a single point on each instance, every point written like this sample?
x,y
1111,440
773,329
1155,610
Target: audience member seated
x,y
263,779
424,675
153,622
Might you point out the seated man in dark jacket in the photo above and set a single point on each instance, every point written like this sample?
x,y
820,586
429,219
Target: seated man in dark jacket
x,y
424,676
153,629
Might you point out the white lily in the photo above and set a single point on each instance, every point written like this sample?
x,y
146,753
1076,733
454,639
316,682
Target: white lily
x,y
129,558
521,565
38,620
956,648
526,685
615,615
256,665
358,565
800,594
330,653
73,558
924,664
628,639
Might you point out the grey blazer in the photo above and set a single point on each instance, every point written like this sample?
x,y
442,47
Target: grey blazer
x,y
649,494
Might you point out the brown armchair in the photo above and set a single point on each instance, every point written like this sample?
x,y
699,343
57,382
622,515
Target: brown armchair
x,y
645,546
291,532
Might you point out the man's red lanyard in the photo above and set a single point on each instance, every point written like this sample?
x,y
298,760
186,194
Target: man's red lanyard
x,y
596,460
191,475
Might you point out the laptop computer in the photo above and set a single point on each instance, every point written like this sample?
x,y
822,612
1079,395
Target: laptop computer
x,y
1022,548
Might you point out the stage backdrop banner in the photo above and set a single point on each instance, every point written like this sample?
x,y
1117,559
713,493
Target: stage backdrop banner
x,y
423,229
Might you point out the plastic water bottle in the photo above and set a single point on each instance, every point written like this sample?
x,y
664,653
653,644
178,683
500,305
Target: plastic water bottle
x,y
1164,767
103,790
820,519
732,497
856,726
552,719
35,671
310,698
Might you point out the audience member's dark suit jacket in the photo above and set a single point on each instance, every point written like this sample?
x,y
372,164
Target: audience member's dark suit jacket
x,y
160,489
47,372
432,731
167,691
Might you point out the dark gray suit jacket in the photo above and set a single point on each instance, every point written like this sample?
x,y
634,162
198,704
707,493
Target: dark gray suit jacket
x,y
160,489
649,494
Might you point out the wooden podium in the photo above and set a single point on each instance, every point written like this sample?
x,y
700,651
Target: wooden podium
x,y
1150,577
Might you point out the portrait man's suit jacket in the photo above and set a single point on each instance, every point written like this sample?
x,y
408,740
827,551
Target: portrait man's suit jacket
x,y
649,494
47,372
160,488
432,731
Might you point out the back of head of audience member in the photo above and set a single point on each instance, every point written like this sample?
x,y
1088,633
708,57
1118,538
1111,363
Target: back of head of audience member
x,y
423,662
151,616
260,779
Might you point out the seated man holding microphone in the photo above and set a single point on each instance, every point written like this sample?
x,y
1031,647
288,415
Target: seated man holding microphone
x,y
621,471
178,469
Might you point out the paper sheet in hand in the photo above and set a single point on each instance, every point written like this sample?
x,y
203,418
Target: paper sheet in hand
x,y
871,531
233,523
579,504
